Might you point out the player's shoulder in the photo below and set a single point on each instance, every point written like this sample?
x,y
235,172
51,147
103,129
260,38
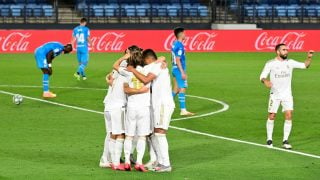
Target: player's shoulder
x,y
271,61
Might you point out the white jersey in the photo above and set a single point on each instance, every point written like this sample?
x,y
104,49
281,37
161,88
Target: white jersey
x,y
161,86
115,98
137,100
281,76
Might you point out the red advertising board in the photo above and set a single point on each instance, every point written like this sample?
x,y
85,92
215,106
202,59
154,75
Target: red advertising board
x,y
26,41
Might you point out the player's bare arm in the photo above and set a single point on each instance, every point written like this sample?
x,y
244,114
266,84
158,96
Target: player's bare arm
x,y
73,40
132,91
266,82
109,79
116,64
309,58
144,79
183,74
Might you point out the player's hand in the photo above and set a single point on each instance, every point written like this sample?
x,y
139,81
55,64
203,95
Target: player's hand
x,y
184,76
310,53
144,89
164,65
267,83
130,68
161,59
109,79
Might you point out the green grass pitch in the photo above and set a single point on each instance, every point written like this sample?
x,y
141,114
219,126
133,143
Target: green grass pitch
x,y
45,141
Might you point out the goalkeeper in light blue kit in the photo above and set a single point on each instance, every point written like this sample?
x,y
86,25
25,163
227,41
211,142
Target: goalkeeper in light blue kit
x,y
44,56
179,70
81,35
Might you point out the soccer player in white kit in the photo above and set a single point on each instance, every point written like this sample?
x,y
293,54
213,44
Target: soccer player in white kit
x,y
162,105
280,70
114,113
138,111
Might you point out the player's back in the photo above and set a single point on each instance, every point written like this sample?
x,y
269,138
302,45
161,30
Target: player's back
x,y
161,88
81,33
178,50
51,46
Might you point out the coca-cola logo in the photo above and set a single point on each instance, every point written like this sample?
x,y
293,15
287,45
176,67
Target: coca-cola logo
x,y
293,40
15,41
202,41
110,41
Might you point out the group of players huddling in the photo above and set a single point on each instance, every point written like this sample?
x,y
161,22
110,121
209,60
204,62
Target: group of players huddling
x,y
139,102
139,105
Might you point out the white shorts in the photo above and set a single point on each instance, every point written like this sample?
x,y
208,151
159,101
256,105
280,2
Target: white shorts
x,y
162,116
107,123
274,103
137,121
116,117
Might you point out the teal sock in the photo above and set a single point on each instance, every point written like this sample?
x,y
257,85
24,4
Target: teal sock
x,y
182,100
45,82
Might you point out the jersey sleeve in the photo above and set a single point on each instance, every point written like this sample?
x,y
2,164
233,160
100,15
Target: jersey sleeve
x,y
123,72
265,72
178,51
296,64
156,69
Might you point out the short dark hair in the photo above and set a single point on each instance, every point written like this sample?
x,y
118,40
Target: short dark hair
x,y
67,48
149,53
278,46
178,30
83,20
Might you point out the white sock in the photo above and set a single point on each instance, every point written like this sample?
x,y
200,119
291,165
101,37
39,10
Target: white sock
x,y
112,143
106,153
134,144
270,125
141,147
117,151
164,148
127,148
287,129
153,156
155,145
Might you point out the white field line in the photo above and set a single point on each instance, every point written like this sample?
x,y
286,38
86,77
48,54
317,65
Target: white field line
x,y
224,108
177,128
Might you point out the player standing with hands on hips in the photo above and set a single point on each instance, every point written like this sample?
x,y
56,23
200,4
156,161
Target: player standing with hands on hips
x,y
280,70
81,35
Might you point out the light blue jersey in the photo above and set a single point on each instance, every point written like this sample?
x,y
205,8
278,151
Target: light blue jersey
x,y
42,51
81,33
178,50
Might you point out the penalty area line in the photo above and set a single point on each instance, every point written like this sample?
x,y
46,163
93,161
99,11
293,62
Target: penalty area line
x,y
176,128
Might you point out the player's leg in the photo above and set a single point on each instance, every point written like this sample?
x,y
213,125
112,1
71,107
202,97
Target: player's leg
x,y
45,83
79,56
287,109
182,85
272,109
134,145
83,63
130,131
118,131
175,89
160,130
106,159
143,129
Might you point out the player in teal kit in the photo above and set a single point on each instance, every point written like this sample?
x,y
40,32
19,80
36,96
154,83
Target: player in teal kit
x,y
179,70
81,35
44,56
